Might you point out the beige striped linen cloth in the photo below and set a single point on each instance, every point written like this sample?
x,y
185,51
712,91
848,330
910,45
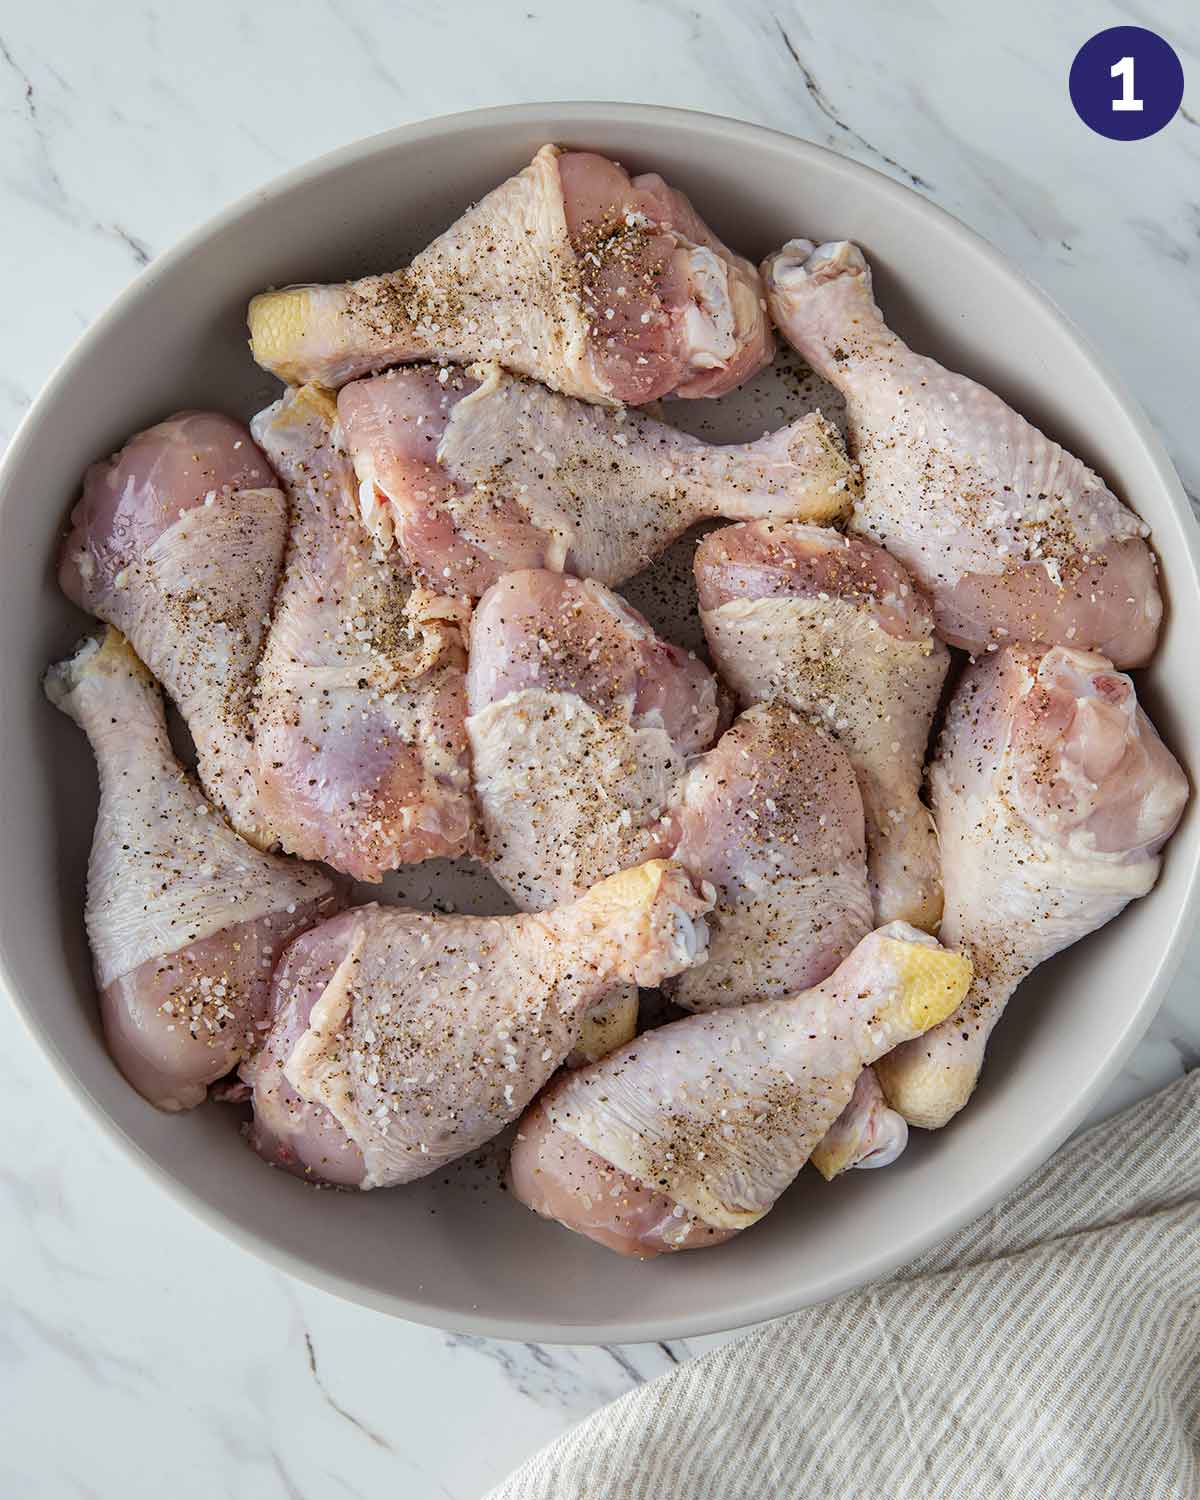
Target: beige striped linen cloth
x,y
1051,1349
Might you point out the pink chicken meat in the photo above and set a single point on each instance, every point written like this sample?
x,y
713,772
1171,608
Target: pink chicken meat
x,y
597,284
177,541
185,919
1053,796
361,748
476,473
772,819
689,1134
582,721
1015,540
402,1040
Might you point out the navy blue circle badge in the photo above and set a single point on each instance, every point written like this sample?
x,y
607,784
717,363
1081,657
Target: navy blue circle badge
x,y
1126,83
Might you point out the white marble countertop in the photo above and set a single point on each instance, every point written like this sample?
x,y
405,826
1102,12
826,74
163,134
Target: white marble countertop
x,y
141,1354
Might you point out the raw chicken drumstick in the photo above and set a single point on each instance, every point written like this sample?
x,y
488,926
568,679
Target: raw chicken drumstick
x,y
1016,541
478,473
690,1133
177,540
833,626
581,724
1053,795
185,919
772,820
362,753
595,284
403,1039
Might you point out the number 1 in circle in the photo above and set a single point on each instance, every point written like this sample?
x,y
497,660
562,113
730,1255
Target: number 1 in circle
x,y
1124,71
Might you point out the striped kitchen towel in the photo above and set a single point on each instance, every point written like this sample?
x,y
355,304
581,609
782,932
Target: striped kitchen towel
x,y
1050,1349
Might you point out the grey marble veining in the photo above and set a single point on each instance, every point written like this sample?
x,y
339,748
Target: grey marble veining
x,y
179,1365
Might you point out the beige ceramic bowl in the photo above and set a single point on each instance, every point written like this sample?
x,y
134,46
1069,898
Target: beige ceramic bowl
x,y
462,1255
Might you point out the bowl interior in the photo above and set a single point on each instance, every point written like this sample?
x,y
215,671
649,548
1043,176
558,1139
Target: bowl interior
x,y
458,1252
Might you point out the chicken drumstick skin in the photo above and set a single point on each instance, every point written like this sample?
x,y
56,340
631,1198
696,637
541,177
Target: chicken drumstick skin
x,y
689,1134
476,473
185,919
1015,540
177,540
361,748
571,272
868,1134
1053,796
581,724
772,819
403,1039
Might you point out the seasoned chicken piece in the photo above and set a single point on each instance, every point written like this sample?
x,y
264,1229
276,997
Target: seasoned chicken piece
x,y
1053,795
834,626
403,1039
596,284
581,723
362,753
178,540
477,473
185,919
772,820
1015,540
690,1133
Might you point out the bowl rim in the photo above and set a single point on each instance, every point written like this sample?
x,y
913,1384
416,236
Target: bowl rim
x,y
752,1308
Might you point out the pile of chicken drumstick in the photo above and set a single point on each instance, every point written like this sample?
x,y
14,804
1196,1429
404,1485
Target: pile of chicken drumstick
x,y
387,615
